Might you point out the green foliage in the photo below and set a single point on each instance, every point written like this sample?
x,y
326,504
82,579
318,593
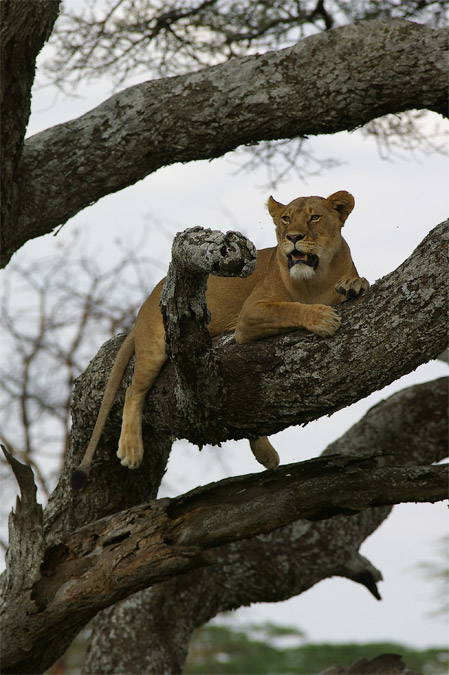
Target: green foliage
x,y
218,649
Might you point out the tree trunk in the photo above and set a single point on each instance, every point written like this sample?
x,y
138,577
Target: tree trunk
x,y
376,69
25,26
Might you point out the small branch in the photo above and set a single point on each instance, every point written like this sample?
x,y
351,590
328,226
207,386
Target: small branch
x,y
196,253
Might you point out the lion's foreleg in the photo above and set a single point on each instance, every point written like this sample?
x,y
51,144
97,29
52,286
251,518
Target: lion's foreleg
x,y
264,319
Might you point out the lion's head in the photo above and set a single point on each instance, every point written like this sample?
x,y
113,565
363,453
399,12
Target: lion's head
x,y
308,230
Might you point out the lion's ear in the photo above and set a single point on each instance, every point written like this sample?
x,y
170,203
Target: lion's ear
x,y
275,208
343,202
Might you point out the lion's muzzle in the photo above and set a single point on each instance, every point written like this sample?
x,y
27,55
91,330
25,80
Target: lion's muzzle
x,y
301,258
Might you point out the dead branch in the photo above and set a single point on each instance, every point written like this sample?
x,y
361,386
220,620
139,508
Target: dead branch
x,y
107,560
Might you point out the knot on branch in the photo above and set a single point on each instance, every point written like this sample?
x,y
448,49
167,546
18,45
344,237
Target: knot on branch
x,y
213,252
197,253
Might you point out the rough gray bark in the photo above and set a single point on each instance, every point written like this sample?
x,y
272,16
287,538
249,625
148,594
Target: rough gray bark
x,y
376,69
410,427
196,253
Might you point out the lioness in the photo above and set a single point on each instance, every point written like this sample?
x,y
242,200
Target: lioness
x,y
294,286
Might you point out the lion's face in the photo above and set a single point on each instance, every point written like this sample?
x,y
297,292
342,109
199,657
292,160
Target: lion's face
x,y
308,230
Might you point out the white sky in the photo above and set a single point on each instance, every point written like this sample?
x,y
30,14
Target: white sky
x,y
397,203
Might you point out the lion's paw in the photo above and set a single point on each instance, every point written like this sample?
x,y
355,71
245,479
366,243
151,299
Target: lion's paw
x,y
323,320
130,450
351,287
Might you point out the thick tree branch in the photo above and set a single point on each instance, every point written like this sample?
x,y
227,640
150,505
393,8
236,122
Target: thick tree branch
x,y
397,325
376,69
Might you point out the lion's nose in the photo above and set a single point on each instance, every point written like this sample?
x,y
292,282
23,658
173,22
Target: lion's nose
x,y
294,237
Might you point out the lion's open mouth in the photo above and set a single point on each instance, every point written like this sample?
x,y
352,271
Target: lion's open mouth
x,y
299,257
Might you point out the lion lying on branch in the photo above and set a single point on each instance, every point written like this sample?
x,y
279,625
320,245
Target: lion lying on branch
x,y
295,285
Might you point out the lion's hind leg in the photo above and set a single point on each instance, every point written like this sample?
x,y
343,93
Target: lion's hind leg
x,y
130,446
150,357
264,452
147,367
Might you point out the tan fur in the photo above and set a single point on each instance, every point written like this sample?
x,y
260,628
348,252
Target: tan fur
x,y
273,300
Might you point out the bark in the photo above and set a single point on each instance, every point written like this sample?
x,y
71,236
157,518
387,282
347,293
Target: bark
x,y
150,631
25,27
376,69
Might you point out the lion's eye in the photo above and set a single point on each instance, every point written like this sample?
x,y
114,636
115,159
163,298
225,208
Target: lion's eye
x,y
285,219
315,216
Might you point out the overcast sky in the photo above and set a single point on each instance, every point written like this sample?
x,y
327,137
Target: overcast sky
x,y
397,203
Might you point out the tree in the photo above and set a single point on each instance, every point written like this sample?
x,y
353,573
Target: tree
x,y
94,550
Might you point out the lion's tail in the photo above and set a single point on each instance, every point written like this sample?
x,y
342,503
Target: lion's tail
x,y
79,476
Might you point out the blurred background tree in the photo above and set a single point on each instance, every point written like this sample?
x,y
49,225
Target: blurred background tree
x,y
54,317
